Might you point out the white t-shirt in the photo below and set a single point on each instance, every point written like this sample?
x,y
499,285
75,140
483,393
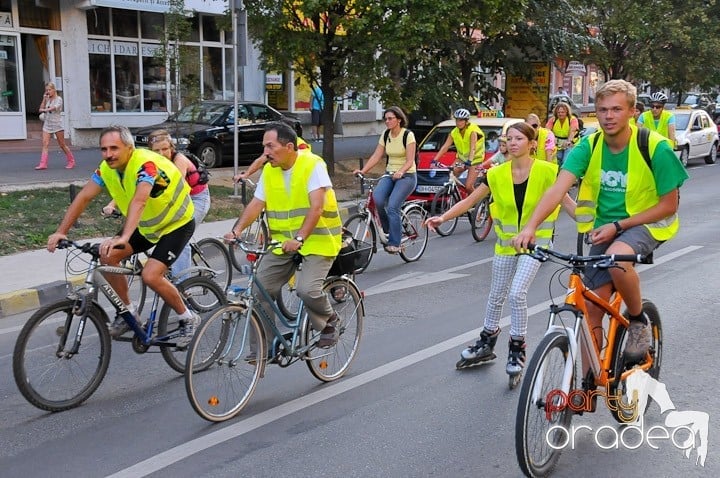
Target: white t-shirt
x,y
319,178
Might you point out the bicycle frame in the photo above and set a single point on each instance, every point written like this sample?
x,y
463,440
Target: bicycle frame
x,y
95,281
580,336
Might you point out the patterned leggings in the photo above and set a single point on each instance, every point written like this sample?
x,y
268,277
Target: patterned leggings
x,y
511,279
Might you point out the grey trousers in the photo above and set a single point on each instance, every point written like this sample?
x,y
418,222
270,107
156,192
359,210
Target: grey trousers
x,y
275,270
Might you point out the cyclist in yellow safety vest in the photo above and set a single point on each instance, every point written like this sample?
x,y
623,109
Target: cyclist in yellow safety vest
x,y
624,205
150,191
545,150
516,186
302,213
469,142
639,109
658,118
259,162
565,127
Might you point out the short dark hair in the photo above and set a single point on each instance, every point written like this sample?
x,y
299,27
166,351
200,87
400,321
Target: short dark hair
x,y
285,134
640,106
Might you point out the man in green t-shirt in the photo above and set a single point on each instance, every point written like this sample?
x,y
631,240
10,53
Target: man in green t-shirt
x,y
625,205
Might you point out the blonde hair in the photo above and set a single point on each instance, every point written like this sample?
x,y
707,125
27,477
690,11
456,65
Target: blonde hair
x,y
618,86
160,135
50,84
562,104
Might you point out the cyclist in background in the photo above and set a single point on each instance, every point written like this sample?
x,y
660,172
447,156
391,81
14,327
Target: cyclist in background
x,y
545,140
150,191
639,109
302,213
400,179
658,118
624,205
469,142
565,127
517,186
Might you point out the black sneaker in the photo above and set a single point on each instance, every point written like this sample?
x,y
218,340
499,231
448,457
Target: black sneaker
x,y
329,335
639,338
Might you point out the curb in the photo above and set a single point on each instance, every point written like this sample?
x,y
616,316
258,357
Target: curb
x,y
25,300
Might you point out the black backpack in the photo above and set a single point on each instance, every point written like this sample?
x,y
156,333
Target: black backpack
x,y
386,137
202,169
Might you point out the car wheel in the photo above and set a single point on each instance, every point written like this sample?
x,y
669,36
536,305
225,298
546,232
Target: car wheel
x,y
210,155
712,157
685,155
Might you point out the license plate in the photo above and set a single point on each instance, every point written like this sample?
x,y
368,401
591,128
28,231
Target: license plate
x,y
424,123
428,189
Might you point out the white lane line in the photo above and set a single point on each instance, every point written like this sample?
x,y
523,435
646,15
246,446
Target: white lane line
x,y
181,452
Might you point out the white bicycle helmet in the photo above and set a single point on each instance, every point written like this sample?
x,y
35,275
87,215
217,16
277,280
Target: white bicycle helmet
x,y
462,114
659,96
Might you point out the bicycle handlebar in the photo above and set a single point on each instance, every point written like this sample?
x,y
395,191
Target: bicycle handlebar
x,y
248,250
601,261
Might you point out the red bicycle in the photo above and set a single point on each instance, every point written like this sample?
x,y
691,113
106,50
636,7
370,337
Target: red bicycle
x,y
454,191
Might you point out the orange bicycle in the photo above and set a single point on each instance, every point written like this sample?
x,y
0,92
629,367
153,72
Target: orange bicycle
x,y
551,392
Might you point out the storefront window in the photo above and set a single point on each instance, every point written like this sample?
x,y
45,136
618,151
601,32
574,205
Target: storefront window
x,y
33,15
151,25
9,100
154,80
125,23
229,77
212,73
5,6
98,21
127,77
210,29
100,80
113,57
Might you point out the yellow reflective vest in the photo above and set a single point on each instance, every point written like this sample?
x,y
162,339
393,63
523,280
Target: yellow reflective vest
x,y
462,143
640,192
540,151
504,209
171,209
663,126
286,210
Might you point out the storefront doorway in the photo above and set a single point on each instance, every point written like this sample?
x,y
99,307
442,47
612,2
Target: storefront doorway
x,y
12,118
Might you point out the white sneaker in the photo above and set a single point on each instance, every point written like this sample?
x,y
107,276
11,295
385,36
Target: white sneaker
x,y
190,326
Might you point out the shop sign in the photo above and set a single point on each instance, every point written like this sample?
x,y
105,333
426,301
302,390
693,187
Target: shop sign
x,y
6,20
216,7
273,81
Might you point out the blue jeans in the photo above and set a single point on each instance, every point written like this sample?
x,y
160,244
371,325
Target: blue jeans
x,y
201,201
389,195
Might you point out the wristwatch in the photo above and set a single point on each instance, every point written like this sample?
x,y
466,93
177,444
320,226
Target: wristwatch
x,y
618,227
300,239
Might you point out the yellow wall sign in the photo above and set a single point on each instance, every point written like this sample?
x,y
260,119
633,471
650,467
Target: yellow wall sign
x,y
524,97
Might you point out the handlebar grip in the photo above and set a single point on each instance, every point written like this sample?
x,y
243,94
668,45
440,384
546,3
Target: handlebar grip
x,y
635,258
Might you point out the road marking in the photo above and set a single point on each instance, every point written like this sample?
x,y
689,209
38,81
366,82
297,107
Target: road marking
x,y
415,279
181,452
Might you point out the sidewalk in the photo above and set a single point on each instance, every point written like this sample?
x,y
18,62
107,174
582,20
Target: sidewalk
x,y
32,279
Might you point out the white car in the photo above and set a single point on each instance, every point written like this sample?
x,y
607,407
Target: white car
x,y
696,136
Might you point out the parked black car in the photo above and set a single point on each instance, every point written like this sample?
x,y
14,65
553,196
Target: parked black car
x,y
206,130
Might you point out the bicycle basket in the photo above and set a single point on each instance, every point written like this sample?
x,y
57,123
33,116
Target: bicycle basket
x,y
353,254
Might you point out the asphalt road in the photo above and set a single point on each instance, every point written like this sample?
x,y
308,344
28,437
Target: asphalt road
x,y
18,169
403,409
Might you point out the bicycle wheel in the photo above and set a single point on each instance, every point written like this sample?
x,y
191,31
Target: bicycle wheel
x,y
442,201
363,230
480,220
288,301
256,235
328,364
49,373
415,235
204,297
213,254
542,420
618,388
227,341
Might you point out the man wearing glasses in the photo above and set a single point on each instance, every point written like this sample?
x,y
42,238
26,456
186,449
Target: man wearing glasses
x,y
658,118
545,140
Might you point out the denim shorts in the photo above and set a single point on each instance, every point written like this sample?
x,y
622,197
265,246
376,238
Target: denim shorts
x,y
637,237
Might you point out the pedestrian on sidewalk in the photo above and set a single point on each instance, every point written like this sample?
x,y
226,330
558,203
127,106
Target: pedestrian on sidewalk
x,y
51,114
317,103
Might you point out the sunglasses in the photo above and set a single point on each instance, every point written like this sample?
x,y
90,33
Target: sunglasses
x,y
535,125
656,107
